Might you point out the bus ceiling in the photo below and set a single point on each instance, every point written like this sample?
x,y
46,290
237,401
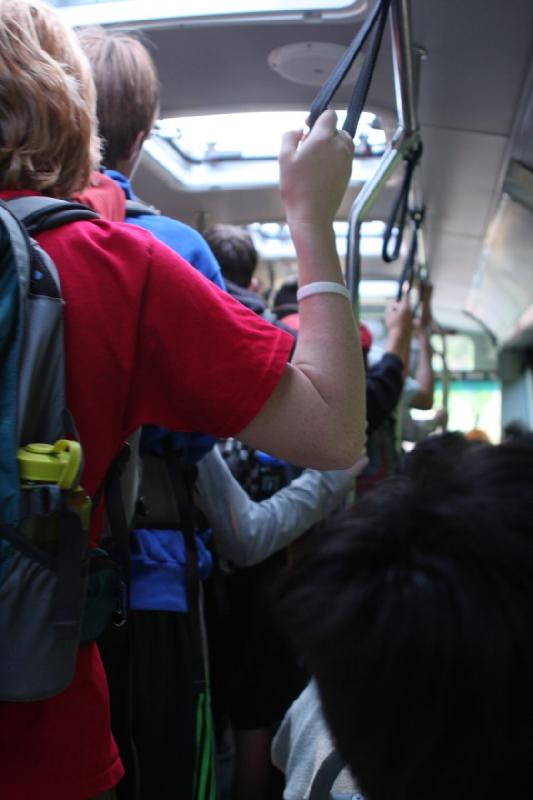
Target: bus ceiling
x,y
474,99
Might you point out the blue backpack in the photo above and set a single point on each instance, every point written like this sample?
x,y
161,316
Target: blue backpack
x,y
44,513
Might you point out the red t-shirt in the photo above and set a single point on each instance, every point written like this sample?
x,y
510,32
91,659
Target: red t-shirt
x,y
104,196
147,340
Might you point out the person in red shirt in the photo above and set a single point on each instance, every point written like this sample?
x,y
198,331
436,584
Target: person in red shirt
x,y
149,340
104,196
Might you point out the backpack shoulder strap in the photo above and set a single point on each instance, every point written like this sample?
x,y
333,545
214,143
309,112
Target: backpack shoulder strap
x,y
326,776
19,243
39,213
136,208
15,262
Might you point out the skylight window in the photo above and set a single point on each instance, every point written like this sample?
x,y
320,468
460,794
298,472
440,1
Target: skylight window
x,y
101,12
274,243
236,151
253,135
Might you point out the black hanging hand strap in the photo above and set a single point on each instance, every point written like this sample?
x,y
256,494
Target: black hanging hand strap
x,y
375,22
408,272
398,215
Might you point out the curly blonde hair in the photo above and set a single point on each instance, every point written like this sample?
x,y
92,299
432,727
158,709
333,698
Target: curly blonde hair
x,y
48,139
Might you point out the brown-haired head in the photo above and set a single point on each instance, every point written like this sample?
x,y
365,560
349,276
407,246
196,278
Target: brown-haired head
x,y
127,90
48,138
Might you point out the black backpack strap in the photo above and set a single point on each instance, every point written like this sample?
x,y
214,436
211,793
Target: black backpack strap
x,y
118,524
119,638
136,208
374,24
39,213
183,476
68,600
326,776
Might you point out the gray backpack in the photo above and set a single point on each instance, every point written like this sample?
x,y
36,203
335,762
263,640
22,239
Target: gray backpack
x,y
44,513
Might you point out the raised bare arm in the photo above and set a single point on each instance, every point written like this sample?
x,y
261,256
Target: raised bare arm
x,y
316,416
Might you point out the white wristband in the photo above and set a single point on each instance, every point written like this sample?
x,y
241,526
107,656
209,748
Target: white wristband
x,y
323,287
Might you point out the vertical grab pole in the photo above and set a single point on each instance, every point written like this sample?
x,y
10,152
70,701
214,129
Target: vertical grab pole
x,y
445,376
405,138
364,201
406,62
403,64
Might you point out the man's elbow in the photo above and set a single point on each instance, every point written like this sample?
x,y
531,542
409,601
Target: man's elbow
x,y
343,448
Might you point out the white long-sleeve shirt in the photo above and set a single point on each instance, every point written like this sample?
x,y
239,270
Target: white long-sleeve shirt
x,y
247,532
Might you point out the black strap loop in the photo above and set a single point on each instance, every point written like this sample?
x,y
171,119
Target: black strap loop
x,y
408,271
377,19
398,215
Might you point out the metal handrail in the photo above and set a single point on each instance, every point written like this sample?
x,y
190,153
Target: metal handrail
x,y
405,140
365,201
403,63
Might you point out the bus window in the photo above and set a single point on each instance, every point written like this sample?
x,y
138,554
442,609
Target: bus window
x,y
473,404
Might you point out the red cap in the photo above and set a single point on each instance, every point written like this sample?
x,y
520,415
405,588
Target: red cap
x,y
366,337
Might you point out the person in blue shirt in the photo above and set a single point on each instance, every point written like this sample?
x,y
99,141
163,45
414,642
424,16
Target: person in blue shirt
x,y
127,107
180,237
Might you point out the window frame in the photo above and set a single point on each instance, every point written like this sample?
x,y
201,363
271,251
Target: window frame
x,y
141,12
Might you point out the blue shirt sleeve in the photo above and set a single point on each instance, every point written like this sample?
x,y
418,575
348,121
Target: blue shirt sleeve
x,y
204,260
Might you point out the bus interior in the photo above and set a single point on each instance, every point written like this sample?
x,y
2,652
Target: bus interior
x,y
456,77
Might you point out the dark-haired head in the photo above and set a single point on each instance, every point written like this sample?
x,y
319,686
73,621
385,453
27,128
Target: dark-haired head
x,y
235,251
285,301
415,614
443,452
517,431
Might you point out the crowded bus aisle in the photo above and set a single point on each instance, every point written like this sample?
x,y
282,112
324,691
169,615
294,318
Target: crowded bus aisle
x,y
258,537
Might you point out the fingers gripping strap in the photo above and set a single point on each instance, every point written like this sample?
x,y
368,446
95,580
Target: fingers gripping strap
x,y
323,99
323,287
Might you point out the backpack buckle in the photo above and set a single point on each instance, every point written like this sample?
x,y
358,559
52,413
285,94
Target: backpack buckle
x,y
40,500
